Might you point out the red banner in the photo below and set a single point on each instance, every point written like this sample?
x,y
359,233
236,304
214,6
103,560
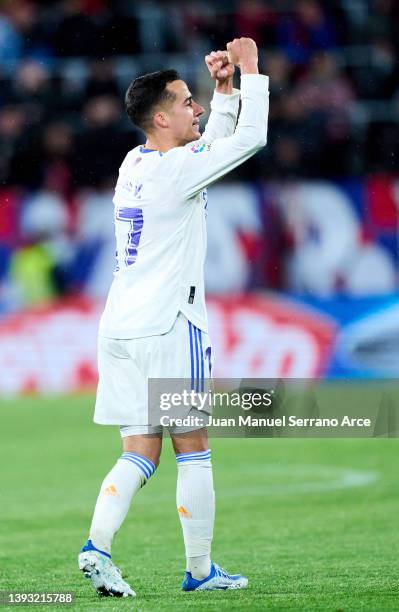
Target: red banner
x,y
53,349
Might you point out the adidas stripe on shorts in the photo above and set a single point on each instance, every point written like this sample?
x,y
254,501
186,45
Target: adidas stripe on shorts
x,y
126,365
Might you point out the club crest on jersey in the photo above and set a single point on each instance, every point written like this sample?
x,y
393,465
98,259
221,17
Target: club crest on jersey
x,y
127,185
200,147
135,187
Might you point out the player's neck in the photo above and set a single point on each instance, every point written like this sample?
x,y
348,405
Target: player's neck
x,y
162,145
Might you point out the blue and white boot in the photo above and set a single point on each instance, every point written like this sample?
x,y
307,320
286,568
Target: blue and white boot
x,y
105,577
218,579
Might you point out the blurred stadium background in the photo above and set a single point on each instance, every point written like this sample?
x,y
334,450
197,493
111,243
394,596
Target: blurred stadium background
x,y
303,239
301,275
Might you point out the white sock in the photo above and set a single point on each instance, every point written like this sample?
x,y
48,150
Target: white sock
x,y
195,499
128,475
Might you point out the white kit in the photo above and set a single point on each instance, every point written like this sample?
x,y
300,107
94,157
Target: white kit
x,y
160,225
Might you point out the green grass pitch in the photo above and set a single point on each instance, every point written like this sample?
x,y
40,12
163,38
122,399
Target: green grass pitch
x,y
312,523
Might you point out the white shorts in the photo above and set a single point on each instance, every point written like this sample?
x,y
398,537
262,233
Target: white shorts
x,y
126,365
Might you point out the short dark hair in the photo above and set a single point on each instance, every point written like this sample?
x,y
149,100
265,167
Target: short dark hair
x,y
145,93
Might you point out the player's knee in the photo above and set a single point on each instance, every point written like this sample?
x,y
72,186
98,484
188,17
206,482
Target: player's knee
x,y
156,461
192,442
153,457
148,447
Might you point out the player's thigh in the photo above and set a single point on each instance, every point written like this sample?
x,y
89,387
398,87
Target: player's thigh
x,y
188,350
122,390
184,353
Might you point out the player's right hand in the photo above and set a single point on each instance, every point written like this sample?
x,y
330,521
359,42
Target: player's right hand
x,y
218,65
243,52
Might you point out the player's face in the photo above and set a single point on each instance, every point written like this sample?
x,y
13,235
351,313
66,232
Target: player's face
x,y
184,114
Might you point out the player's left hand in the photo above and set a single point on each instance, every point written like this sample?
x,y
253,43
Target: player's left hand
x,y
219,67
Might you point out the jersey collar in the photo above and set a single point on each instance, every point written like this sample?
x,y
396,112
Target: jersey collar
x,y
144,150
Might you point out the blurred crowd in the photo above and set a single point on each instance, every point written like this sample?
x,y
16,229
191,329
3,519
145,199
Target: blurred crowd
x,y
64,68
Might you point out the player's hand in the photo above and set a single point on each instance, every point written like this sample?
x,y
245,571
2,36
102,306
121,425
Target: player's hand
x,y
243,52
219,66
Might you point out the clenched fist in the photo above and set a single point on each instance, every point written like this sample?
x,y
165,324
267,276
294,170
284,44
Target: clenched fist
x,y
221,70
243,52
219,66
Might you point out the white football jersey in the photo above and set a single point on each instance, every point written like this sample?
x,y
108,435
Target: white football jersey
x,y
160,217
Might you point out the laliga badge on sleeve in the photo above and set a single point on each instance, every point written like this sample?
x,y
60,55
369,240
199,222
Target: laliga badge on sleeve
x,y
200,147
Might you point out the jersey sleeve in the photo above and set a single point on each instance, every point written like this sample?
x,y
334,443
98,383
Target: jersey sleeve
x,y
202,163
223,117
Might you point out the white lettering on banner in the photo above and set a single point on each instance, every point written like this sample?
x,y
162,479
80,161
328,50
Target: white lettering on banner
x,y
255,337
269,349
324,259
227,266
18,363
54,350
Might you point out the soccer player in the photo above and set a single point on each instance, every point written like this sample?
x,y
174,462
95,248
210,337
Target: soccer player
x,y
155,323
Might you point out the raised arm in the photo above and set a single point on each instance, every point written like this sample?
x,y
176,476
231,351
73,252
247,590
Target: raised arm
x,y
201,164
225,102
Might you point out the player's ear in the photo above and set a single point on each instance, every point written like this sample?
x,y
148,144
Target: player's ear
x,y
161,120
